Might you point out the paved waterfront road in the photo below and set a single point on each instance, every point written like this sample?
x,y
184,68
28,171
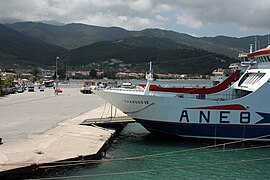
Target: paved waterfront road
x,y
30,113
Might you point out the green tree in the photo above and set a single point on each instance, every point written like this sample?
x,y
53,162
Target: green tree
x,y
1,82
8,82
61,74
33,78
93,73
19,75
110,74
35,72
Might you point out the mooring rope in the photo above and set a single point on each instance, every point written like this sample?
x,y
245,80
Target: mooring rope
x,y
84,162
157,155
200,166
103,110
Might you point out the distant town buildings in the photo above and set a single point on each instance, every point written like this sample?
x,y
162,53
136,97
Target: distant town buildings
x,y
47,74
171,76
78,73
8,74
126,75
140,75
129,75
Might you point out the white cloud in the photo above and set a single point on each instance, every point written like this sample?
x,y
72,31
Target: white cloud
x,y
189,21
140,5
130,23
104,19
161,18
162,8
246,14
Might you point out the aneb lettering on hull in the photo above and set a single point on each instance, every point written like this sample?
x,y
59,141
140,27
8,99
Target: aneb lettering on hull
x,y
223,117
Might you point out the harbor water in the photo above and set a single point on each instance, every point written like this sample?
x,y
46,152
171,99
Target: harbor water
x,y
138,154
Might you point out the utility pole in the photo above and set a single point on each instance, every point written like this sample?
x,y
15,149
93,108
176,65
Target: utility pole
x,y
98,73
56,75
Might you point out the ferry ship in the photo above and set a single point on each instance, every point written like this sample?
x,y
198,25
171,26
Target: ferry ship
x,y
241,111
220,74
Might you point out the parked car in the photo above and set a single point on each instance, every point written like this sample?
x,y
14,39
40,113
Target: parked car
x,y
31,88
86,90
58,91
20,90
11,90
41,88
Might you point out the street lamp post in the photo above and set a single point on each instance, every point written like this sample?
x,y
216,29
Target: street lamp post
x,y
56,75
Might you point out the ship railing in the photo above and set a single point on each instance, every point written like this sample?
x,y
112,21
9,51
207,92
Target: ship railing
x,y
211,97
188,86
222,97
163,94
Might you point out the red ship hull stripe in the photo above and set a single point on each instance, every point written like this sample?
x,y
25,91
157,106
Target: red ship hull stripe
x,y
224,107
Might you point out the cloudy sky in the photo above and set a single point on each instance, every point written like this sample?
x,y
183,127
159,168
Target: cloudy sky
x,y
196,17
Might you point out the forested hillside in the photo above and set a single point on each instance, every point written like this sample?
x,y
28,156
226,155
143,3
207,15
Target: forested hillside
x,y
80,45
16,47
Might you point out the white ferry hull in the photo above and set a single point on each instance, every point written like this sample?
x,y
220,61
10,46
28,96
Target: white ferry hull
x,y
241,111
241,118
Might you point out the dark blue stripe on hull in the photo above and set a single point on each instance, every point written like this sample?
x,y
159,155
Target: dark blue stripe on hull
x,y
221,131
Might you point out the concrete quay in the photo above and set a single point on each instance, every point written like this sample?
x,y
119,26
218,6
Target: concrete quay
x,y
40,128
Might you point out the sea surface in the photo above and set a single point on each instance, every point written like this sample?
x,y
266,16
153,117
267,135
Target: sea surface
x,y
138,154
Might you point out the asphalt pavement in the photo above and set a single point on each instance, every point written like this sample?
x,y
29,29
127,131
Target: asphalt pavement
x,y
27,114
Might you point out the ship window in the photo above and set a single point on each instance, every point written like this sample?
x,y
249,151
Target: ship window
x,y
243,79
258,59
268,58
251,78
256,79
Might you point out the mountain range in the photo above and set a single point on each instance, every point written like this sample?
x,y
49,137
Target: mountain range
x,y
35,44
16,47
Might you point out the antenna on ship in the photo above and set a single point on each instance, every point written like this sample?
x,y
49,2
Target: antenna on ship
x,y
255,43
149,78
